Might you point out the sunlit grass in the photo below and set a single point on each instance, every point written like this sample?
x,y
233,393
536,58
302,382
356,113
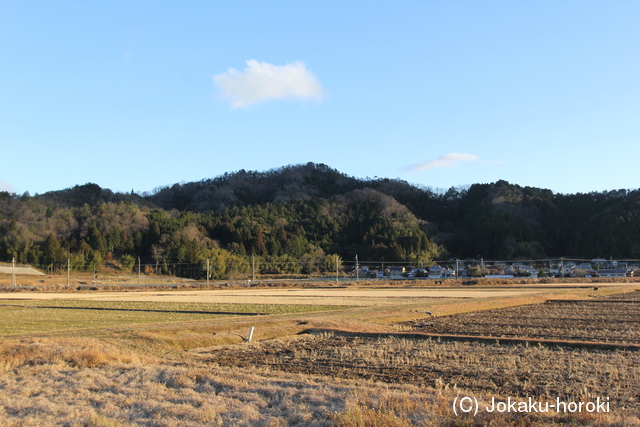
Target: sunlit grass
x,y
34,317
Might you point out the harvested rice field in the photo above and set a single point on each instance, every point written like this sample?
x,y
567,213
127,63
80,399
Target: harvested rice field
x,y
22,317
328,296
616,320
340,356
518,371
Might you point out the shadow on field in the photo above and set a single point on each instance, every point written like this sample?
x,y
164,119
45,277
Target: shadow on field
x,y
140,310
476,338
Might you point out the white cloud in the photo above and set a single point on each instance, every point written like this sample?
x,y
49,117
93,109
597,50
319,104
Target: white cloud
x,y
447,161
5,186
260,82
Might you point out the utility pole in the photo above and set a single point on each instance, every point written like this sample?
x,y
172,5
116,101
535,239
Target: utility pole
x,y
68,271
357,268
138,270
13,271
253,267
336,268
207,271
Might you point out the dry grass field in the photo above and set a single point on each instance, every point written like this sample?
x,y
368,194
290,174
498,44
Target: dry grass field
x,y
326,296
177,357
597,321
22,317
504,370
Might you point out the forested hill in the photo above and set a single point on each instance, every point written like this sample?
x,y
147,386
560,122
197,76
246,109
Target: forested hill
x,y
498,220
312,212
239,189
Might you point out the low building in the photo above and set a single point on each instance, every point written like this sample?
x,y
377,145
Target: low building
x,y
599,263
583,270
610,272
448,273
396,272
462,271
418,272
435,272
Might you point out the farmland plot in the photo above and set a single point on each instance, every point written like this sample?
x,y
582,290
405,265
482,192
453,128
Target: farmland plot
x,y
594,321
518,371
23,317
489,368
164,358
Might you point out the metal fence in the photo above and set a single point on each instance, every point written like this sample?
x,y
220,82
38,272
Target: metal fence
x,y
260,267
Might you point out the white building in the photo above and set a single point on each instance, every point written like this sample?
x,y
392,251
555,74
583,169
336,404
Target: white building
x,y
610,272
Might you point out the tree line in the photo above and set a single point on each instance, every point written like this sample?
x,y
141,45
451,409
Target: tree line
x,y
297,219
292,237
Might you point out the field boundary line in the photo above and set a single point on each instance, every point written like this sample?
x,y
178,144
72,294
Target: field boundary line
x,y
573,301
476,338
138,309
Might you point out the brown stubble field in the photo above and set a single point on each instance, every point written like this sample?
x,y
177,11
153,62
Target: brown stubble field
x,y
357,358
605,321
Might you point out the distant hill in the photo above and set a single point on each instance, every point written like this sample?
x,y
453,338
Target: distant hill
x,y
90,194
499,220
242,188
312,211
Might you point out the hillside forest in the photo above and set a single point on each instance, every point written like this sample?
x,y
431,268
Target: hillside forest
x,y
304,219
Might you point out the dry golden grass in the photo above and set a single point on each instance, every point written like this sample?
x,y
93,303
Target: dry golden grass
x,y
33,317
71,391
82,352
378,408
142,375
517,371
337,296
80,387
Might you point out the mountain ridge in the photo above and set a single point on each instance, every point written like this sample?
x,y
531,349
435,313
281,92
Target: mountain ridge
x,y
314,211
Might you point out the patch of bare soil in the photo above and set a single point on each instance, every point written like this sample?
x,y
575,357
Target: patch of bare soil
x,y
615,321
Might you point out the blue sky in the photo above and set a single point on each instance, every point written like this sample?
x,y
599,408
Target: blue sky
x,y
142,94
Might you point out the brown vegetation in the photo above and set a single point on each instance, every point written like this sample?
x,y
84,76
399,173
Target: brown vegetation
x,y
95,385
597,321
195,373
517,371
